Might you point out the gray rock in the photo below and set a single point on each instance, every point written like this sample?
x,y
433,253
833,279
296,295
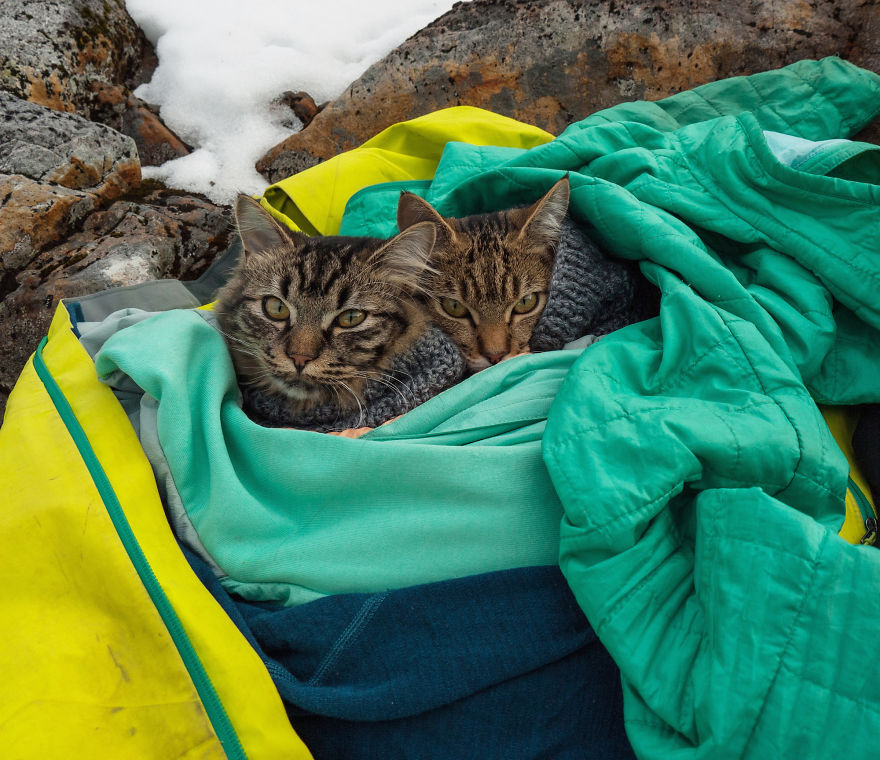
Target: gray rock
x,y
64,54
84,57
554,62
55,169
64,149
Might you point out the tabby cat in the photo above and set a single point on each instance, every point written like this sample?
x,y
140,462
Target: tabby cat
x,y
490,273
311,320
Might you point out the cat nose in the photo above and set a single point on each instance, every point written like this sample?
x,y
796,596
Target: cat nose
x,y
495,356
300,360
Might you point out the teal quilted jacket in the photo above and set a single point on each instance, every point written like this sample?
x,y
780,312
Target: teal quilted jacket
x,y
701,488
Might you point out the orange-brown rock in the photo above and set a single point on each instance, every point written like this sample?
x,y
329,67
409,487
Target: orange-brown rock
x,y
154,234
58,174
555,62
55,169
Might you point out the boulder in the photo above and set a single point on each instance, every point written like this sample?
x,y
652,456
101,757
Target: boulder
x,y
153,234
84,57
55,169
75,218
552,63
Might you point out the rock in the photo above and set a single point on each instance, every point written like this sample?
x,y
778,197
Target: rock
x,y
65,55
156,235
55,169
302,104
75,218
552,63
83,57
156,143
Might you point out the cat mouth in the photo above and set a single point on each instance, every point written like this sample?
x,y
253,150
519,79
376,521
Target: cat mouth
x,y
477,364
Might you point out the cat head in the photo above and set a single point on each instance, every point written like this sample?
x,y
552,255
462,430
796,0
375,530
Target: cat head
x,y
490,272
311,319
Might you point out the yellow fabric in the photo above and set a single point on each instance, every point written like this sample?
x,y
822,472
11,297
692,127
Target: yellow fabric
x,y
89,668
314,200
842,423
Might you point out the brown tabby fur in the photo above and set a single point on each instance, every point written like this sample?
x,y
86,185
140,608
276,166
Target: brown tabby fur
x,y
307,358
487,263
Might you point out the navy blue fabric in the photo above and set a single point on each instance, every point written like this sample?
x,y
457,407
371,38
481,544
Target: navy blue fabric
x,y
502,665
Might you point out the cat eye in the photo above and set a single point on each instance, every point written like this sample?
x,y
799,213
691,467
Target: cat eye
x,y
351,318
454,308
275,308
526,303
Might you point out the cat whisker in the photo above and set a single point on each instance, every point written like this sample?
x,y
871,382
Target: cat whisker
x,y
356,398
388,382
385,378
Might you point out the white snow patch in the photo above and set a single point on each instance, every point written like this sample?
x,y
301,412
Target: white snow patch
x,y
223,62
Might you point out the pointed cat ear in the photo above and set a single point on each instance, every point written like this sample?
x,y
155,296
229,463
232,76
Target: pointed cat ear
x,y
411,209
259,231
404,258
541,222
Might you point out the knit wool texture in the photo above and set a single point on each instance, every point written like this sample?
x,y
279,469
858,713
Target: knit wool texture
x,y
431,365
589,293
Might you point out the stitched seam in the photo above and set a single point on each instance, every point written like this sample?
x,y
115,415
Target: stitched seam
x,y
844,120
646,507
614,519
359,622
787,645
763,100
796,470
824,688
613,614
680,404
672,382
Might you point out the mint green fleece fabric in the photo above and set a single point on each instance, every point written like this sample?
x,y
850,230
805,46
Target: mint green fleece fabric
x,y
456,487
702,490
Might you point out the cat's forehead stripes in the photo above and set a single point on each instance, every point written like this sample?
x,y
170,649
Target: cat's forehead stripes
x,y
484,265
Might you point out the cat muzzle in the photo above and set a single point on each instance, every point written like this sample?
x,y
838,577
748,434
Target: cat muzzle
x,y
495,356
300,360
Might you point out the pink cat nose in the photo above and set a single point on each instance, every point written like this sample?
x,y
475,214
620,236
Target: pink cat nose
x,y
300,360
495,357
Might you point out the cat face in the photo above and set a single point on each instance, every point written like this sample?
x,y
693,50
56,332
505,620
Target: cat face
x,y
490,272
312,319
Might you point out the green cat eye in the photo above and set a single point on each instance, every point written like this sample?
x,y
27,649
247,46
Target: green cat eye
x,y
526,303
351,318
275,308
454,308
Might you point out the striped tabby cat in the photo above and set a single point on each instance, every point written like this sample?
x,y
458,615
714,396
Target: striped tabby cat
x,y
310,321
491,273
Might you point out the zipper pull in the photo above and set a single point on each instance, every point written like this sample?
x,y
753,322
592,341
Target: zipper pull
x,y
870,531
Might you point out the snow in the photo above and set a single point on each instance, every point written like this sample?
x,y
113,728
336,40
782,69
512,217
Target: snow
x,y
223,62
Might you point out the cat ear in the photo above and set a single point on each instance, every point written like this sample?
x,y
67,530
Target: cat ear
x,y
541,222
404,258
259,231
411,209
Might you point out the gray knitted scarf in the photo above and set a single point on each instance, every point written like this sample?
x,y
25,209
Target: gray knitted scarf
x,y
590,294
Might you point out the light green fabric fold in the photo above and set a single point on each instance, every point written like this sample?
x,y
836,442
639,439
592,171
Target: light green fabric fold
x,y
455,488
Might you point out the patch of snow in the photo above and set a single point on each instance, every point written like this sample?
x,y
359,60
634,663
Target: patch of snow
x,y
223,62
